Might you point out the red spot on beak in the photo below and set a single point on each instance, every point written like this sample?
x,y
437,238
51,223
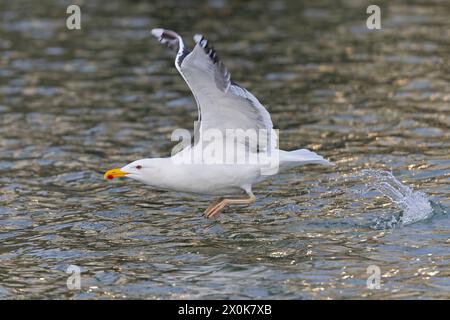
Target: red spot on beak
x,y
110,177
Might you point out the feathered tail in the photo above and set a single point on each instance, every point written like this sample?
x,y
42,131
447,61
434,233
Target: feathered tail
x,y
300,157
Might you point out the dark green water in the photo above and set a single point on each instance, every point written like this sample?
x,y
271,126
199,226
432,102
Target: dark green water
x,y
75,103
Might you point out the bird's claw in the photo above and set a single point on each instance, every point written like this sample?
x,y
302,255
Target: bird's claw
x,y
214,208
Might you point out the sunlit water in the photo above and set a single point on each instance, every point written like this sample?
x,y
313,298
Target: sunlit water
x,y
76,103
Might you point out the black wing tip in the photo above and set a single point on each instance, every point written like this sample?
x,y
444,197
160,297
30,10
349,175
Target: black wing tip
x,y
162,34
171,40
204,43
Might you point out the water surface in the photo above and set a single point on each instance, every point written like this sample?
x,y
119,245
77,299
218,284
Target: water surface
x,y
75,103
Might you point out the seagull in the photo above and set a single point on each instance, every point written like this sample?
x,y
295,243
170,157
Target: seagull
x,y
223,107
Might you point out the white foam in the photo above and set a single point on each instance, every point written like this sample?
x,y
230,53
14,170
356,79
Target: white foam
x,y
414,204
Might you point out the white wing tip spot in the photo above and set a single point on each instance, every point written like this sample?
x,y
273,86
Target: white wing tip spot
x,y
157,32
198,38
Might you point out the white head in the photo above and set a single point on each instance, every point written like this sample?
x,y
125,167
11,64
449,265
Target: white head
x,y
142,170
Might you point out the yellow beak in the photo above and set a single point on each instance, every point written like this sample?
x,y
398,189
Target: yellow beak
x,y
114,173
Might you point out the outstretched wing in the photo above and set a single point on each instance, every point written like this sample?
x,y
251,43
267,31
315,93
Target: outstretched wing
x,y
223,105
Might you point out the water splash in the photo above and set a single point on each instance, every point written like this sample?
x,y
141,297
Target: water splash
x,y
415,205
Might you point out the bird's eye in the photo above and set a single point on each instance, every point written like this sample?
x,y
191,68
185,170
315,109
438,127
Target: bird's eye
x,y
139,167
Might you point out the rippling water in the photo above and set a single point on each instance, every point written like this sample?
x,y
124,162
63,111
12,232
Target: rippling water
x,y
75,103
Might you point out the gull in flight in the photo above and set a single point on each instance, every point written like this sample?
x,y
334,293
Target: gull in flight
x,y
225,108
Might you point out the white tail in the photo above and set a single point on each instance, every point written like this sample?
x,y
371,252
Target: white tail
x,y
300,157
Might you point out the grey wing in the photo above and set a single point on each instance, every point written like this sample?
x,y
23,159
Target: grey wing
x,y
223,105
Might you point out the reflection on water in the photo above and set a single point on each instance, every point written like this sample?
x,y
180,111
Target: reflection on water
x,y
75,103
